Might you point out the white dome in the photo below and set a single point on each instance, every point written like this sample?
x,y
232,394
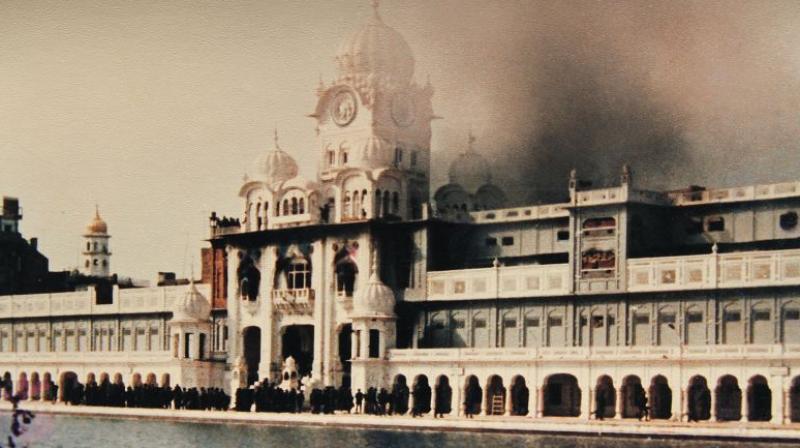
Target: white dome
x,y
275,165
470,170
302,183
376,49
374,300
192,307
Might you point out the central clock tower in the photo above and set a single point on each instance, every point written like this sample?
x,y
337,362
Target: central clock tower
x,y
374,130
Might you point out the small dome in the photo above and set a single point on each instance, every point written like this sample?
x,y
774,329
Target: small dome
x,y
376,49
275,165
97,226
374,300
302,183
192,307
470,170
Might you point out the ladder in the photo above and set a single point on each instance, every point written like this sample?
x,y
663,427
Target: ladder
x,y
497,405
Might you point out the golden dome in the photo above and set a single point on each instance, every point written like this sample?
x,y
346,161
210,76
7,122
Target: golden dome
x,y
97,226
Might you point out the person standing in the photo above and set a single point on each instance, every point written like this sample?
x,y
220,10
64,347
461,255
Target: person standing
x,y
359,401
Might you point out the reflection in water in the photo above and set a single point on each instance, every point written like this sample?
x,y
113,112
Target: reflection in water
x,y
77,432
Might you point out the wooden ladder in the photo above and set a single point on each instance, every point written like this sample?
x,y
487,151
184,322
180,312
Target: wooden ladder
x,y
497,405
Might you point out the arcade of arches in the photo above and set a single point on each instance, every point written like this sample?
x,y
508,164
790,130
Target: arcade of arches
x,y
562,395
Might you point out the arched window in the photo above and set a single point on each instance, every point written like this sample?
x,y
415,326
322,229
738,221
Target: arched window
x,y
258,216
294,206
87,263
343,158
285,207
377,211
385,203
94,262
301,207
94,246
346,205
356,204
396,203
762,329
364,201
88,247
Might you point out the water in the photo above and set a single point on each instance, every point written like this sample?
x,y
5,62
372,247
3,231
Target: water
x,y
51,431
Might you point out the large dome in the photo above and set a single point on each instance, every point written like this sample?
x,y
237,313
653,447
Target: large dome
x,y
275,165
375,299
97,226
470,170
376,49
192,307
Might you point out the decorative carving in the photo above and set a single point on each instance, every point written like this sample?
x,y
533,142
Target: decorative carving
x,y
343,108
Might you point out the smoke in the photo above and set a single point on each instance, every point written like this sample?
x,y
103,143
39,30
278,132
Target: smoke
x,y
684,92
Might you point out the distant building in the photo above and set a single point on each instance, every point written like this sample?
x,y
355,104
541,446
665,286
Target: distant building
x,y
96,253
22,267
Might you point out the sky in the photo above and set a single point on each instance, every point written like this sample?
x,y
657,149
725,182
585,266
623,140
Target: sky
x,y
154,110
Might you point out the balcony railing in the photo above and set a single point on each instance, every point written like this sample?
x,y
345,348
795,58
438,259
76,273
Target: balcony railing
x,y
734,270
126,301
736,194
701,353
500,282
294,301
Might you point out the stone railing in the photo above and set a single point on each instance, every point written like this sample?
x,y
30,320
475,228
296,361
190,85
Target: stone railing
x,y
125,301
700,353
294,301
86,357
732,270
521,213
499,282
736,194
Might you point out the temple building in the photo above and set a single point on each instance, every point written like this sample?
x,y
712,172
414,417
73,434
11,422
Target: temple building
x,y
361,278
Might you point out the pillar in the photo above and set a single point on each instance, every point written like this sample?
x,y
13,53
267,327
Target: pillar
x,y
485,402
354,345
778,401
618,405
509,403
592,403
743,416
540,402
713,405
586,405
382,344
432,383
684,409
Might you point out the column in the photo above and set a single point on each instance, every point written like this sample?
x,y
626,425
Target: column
x,y
540,402
432,383
484,402
684,409
382,344
509,401
618,406
743,416
365,343
592,404
354,346
713,405
533,403
586,406
778,400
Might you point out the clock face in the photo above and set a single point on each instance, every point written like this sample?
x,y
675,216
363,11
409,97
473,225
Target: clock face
x,y
403,110
343,108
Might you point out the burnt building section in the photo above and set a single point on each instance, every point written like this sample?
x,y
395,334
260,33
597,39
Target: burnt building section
x,y
23,269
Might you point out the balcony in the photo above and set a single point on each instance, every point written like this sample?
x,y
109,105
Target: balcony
x,y
688,353
734,270
293,301
499,282
736,194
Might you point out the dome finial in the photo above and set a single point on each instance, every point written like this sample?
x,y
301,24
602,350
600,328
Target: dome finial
x,y
275,132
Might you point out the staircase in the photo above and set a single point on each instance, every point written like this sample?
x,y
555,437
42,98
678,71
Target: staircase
x,y
497,405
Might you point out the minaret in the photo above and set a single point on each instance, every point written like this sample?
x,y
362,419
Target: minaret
x,y
96,255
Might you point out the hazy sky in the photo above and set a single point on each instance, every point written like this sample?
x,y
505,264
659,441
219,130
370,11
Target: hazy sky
x,y
155,109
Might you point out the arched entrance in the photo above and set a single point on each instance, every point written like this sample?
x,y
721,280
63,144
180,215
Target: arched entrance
x,y
759,400
400,395
22,386
562,396
345,352
251,345
297,341
520,396
151,379
136,380
36,386
422,395
68,385
47,390
605,398
699,399
729,399
660,398
165,380
495,396
632,397
8,385
473,395
794,400
444,396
